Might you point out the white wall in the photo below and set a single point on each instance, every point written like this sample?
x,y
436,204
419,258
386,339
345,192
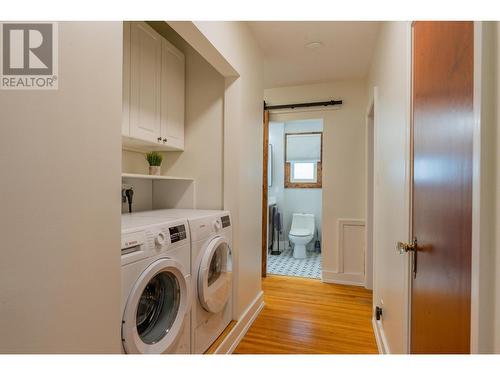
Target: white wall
x,y
232,50
60,201
291,201
202,158
390,75
343,154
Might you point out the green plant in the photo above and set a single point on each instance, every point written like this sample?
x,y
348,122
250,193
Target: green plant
x,y
154,158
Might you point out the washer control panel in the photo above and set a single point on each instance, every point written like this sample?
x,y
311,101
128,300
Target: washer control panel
x,y
177,233
160,239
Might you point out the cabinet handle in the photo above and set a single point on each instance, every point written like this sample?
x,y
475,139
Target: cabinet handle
x,y
159,139
164,140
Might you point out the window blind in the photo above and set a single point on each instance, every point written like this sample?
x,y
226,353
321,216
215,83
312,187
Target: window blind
x,y
303,147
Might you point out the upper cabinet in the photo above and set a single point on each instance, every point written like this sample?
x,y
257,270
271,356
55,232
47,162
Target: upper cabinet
x,y
153,85
145,82
172,95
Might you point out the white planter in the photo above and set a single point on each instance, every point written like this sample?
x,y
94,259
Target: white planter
x,y
155,170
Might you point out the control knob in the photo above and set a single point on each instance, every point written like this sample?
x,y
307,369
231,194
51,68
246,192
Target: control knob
x,y
160,239
217,225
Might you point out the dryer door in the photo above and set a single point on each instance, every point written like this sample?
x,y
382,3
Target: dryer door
x,y
156,309
215,276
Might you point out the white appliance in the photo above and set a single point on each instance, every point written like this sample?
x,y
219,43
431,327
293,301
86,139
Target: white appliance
x,y
156,285
211,266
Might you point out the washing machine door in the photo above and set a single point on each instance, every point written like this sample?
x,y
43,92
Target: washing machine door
x,y
156,309
215,276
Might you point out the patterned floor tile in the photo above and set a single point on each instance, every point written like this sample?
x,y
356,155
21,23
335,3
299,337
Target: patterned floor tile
x,y
286,264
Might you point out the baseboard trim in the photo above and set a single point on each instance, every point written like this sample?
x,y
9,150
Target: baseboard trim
x,y
380,338
233,338
342,278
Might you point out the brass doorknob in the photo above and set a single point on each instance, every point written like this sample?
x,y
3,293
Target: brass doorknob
x,y
405,247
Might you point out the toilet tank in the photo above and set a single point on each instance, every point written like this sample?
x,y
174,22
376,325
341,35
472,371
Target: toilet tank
x,y
303,221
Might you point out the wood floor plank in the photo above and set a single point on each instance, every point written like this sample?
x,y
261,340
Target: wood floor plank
x,y
304,316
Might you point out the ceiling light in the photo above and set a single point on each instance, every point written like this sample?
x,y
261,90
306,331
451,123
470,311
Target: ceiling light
x,y
314,45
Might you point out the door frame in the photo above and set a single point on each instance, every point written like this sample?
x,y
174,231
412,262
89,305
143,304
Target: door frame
x,y
482,230
265,188
283,116
409,274
476,191
369,193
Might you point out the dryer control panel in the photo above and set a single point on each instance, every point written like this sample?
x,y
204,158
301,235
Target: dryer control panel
x,y
226,221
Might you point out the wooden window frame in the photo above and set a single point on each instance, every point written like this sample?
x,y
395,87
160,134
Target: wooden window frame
x,y
319,168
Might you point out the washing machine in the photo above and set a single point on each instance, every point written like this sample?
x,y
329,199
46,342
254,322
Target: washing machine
x,y
211,267
156,285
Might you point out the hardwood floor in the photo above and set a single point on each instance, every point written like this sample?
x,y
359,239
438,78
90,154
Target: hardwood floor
x,y
304,316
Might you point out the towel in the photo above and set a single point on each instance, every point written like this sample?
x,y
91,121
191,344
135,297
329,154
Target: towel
x,y
277,221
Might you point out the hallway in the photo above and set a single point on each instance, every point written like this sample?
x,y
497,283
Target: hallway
x,y
305,316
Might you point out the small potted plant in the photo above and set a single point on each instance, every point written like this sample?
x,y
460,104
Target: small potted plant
x,y
154,159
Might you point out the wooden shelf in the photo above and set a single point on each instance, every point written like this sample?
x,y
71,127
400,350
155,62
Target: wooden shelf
x,y
153,177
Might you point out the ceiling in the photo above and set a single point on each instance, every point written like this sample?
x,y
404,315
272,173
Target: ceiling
x,y
345,52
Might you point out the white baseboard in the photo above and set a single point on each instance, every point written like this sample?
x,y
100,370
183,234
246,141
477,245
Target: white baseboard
x,y
342,278
233,338
380,338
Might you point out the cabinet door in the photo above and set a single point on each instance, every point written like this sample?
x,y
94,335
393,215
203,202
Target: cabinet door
x,y
145,82
126,80
172,96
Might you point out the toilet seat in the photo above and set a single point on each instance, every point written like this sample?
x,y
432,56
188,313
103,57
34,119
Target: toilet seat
x,y
300,232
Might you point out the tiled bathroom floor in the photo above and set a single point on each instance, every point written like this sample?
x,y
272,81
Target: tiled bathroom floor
x,y
286,264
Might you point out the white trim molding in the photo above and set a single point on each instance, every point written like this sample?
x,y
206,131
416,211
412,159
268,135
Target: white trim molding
x,y
408,185
370,188
378,330
233,338
476,194
341,276
483,189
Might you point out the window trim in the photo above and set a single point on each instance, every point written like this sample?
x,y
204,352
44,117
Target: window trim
x,y
289,184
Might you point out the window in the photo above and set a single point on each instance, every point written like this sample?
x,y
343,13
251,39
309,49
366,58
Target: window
x,y
303,171
303,157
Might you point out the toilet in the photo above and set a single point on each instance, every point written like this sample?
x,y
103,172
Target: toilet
x,y
301,233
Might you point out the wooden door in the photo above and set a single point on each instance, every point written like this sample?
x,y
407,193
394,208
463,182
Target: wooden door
x,y
145,69
442,186
172,96
265,212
